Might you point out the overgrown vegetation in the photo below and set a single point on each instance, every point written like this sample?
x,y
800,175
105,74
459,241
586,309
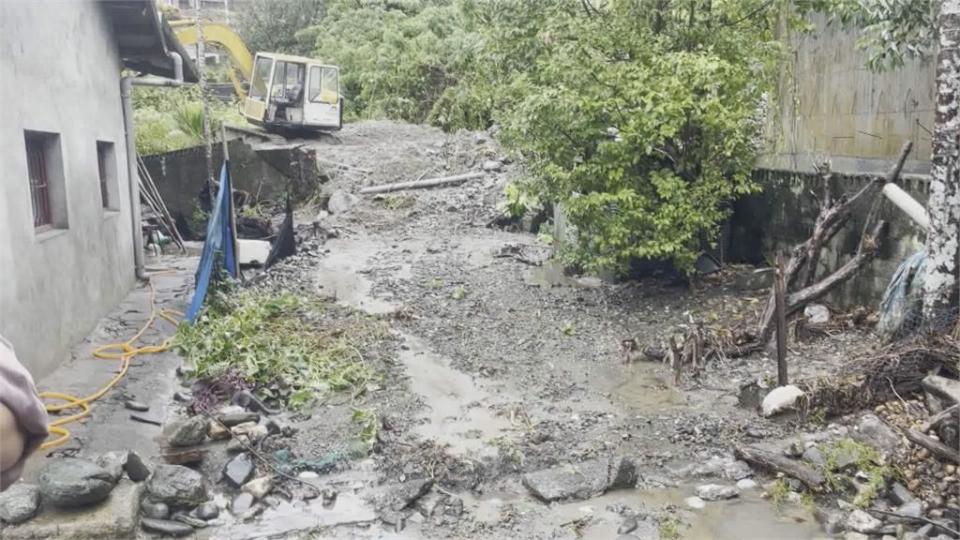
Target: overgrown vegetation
x,y
874,470
638,116
169,119
274,341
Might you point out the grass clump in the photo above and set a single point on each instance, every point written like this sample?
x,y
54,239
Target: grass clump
x,y
669,528
276,344
876,472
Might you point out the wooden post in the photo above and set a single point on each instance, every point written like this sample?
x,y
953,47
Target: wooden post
x,y
780,293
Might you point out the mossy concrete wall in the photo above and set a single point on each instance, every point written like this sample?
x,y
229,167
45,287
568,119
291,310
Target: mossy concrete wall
x,y
783,215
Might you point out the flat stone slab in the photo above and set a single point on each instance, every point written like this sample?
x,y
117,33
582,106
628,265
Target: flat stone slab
x,y
581,480
114,518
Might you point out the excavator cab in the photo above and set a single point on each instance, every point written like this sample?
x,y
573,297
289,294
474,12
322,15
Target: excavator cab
x,y
293,93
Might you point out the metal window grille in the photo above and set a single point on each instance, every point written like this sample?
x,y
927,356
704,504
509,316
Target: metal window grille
x,y
39,183
102,166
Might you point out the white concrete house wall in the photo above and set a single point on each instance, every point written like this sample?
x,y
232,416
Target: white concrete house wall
x,y
60,70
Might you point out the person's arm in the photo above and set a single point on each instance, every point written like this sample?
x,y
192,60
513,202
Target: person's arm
x,y
11,439
23,418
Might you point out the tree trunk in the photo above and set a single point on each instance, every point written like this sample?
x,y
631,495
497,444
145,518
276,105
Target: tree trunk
x,y
943,238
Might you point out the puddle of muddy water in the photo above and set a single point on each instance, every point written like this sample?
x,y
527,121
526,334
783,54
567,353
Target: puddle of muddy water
x,y
339,275
456,411
646,386
748,517
287,519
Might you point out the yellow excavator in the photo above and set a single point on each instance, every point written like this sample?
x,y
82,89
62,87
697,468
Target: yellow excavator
x,y
278,91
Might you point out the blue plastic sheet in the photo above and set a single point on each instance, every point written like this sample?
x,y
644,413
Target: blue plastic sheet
x,y
219,241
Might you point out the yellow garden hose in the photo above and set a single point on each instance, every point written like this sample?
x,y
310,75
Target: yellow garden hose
x,y
124,352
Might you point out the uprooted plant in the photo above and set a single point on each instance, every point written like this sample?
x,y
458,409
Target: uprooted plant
x,y
277,344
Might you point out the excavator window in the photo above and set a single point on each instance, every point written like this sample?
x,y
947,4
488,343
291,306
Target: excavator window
x,y
261,75
288,82
324,85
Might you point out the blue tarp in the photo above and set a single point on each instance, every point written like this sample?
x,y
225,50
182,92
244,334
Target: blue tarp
x,y
219,241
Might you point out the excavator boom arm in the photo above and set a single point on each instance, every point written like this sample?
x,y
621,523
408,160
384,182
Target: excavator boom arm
x,y
224,36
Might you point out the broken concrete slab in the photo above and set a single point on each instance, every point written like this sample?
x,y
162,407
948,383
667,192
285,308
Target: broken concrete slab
x,y
943,388
581,480
397,497
115,517
252,252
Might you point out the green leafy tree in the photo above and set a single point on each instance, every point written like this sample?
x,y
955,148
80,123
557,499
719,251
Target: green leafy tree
x,y
278,26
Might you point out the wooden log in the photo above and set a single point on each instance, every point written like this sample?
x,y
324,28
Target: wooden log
x,y
833,215
935,447
776,462
779,294
421,184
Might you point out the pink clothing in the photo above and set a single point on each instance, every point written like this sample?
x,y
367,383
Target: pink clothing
x,y
19,394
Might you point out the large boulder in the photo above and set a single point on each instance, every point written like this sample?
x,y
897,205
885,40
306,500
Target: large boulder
x,y
581,480
71,482
177,485
19,503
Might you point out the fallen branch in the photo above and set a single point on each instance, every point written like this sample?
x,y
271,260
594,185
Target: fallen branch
x,y
934,421
421,184
773,461
916,519
934,446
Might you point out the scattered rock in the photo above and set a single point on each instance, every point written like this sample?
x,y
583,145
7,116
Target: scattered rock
x,y
154,510
236,444
814,456
19,503
695,503
189,432
254,433
746,484
874,432
851,535
492,165
860,521
589,282
239,469
780,399
400,496
395,519
196,523
341,202
217,431
167,527
629,525
794,450
208,510
136,406
237,418
911,509
116,463
182,397
716,492
177,485
71,482
259,487
241,504
816,313
581,480
231,409
832,522
900,494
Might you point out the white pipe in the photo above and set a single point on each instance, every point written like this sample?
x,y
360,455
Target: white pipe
x,y
908,204
126,98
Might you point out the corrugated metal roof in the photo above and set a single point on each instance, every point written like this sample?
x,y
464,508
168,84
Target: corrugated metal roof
x,y
143,39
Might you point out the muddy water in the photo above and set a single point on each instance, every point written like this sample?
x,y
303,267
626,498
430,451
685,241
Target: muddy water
x,y
457,411
287,519
341,275
746,518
